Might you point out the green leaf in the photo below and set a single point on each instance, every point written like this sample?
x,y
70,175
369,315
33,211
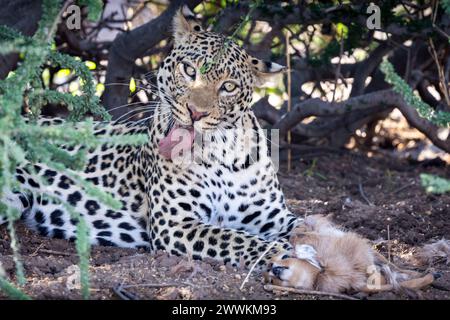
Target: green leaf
x,y
341,31
434,184
63,73
132,85
90,64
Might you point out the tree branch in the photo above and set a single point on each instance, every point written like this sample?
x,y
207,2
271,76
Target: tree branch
x,y
358,107
320,108
263,110
364,69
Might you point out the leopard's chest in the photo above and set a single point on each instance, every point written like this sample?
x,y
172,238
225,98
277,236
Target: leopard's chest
x,y
219,195
233,185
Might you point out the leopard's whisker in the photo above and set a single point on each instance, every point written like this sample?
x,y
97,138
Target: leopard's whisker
x,y
143,110
152,72
162,115
124,105
144,119
130,114
149,106
124,84
158,91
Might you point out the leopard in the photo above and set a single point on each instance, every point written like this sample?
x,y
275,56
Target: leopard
x,y
221,202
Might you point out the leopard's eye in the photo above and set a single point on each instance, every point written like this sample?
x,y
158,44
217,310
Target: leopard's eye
x,y
188,70
228,86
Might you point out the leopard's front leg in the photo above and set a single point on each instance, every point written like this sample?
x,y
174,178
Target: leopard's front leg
x,y
199,241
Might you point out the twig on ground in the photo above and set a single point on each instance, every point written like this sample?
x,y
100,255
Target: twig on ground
x,y
270,287
124,294
363,195
403,188
157,285
389,243
37,250
59,253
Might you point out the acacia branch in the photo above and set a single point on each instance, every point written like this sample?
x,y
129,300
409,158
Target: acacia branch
x,y
430,130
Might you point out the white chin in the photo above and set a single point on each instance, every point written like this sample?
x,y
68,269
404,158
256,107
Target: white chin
x,y
198,126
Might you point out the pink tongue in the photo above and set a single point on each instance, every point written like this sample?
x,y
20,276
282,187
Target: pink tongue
x,y
178,140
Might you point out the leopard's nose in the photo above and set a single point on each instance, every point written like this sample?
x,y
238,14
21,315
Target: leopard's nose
x,y
196,115
278,270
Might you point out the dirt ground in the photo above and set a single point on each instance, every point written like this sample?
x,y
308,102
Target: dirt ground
x,y
378,197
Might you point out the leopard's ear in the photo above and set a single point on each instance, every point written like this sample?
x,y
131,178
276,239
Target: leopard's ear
x,y
184,23
264,70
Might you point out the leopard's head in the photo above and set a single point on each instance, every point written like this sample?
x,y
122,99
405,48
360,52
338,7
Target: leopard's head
x,y
207,79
